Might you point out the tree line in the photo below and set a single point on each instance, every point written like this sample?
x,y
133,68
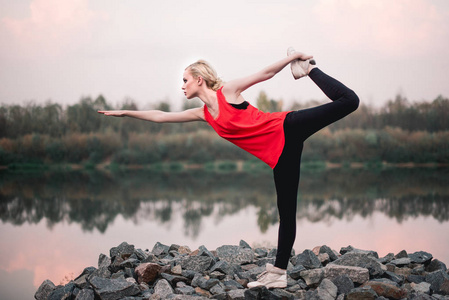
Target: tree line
x,y
400,131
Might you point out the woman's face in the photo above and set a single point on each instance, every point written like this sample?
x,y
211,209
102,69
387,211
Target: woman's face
x,y
190,86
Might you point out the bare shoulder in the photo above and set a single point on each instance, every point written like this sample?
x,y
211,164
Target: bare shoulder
x,y
231,92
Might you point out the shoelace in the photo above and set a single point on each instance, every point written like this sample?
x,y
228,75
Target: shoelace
x,y
262,275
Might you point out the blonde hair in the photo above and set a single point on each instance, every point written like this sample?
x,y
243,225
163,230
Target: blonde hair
x,y
206,71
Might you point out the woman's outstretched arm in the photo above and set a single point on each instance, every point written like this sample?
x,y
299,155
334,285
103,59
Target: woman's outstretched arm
x,y
235,87
157,116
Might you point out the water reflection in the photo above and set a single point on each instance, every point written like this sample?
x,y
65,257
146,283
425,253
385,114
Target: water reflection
x,y
95,199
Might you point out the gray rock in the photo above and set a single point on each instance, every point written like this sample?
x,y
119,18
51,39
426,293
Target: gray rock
x,y
401,262
130,263
223,267
313,277
401,254
196,263
421,297
349,249
436,265
386,259
365,293
174,279
260,252
113,289
308,259
235,254
439,282
186,290
104,261
423,287
329,251
343,283
356,274
420,257
232,284
86,294
295,272
416,278
62,292
280,294
327,290
160,250
362,260
217,289
236,295
244,244
124,250
399,279
44,290
204,252
163,289
102,272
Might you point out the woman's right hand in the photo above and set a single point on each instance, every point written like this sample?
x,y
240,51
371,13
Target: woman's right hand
x,y
114,113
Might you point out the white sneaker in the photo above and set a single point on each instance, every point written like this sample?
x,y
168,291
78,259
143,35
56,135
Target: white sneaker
x,y
273,277
300,68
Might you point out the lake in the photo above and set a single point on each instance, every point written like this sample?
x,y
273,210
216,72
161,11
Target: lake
x,y
54,224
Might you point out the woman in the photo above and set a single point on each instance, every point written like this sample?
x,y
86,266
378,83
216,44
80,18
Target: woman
x,y
275,138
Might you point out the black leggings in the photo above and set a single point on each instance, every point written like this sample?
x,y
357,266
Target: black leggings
x,y
298,126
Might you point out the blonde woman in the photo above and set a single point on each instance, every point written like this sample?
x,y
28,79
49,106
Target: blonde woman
x,y
275,138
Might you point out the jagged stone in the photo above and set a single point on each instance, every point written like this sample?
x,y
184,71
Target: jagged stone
x,y
420,257
184,250
387,290
308,259
113,289
439,282
235,254
362,260
260,252
416,278
401,254
147,272
44,290
295,272
186,290
399,279
174,279
349,249
327,290
356,274
343,283
124,250
386,259
423,287
325,249
244,244
196,263
163,289
202,251
62,292
85,294
401,262
436,265
160,250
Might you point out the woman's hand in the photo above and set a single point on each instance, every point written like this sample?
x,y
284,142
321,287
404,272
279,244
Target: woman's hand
x,y
114,113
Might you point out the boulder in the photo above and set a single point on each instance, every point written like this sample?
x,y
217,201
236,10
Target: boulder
x,y
420,257
44,290
343,283
387,290
124,250
365,293
196,263
362,260
235,254
308,259
113,289
163,289
147,272
160,250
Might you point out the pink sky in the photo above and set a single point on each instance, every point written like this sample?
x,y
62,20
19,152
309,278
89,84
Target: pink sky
x,y
63,50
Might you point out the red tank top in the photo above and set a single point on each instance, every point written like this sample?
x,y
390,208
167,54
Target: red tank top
x,y
257,132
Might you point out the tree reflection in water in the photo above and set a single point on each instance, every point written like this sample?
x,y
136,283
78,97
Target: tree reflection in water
x,y
95,199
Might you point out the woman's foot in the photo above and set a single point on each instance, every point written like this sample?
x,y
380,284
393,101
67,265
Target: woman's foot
x,y
273,277
300,68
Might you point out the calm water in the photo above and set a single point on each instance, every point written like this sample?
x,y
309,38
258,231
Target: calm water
x,y
55,224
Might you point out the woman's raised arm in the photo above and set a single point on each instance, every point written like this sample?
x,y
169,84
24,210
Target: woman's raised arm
x,y
235,87
157,116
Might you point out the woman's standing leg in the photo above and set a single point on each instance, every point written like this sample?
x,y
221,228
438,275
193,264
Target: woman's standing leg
x,y
298,126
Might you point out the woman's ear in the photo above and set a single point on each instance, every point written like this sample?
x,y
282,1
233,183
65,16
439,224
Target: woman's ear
x,y
199,80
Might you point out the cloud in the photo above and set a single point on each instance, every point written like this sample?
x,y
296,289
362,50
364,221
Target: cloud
x,y
400,27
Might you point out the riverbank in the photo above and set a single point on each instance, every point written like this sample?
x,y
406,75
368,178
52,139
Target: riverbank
x,y
177,272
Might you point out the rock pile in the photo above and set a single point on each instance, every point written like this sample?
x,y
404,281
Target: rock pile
x,y
176,272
